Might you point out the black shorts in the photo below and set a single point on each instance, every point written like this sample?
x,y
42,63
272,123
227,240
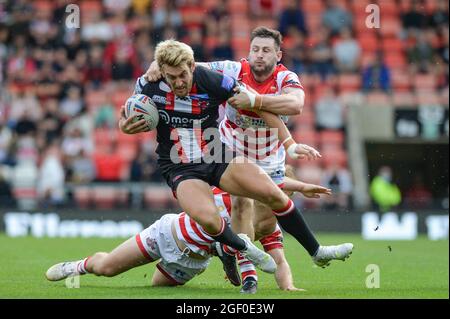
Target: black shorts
x,y
174,174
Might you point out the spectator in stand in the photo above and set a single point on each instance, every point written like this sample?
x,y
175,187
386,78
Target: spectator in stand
x,y
338,179
414,20
421,55
122,68
218,19
377,76
322,56
336,18
51,178
195,40
329,111
264,8
6,193
95,72
347,52
143,168
297,55
439,17
109,165
6,140
385,194
82,168
292,17
74,142
222,51
166,17
418,196
73,103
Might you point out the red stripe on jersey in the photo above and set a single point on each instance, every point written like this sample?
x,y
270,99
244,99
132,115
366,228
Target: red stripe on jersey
x,y
175,137
249,113
198,232
142,248
227,201
200,141
170,101
186,236
195,103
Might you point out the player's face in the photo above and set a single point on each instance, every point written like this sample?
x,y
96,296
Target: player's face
x,y
264,55
179,78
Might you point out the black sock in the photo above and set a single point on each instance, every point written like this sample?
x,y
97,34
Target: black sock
x,y
294,223
229,238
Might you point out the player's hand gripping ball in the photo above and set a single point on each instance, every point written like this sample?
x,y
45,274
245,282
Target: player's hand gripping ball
x,y
142,107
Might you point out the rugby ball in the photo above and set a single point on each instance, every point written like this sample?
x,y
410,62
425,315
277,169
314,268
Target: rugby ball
x,y
144,108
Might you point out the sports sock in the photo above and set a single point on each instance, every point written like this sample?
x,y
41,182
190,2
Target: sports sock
x,y
81,266
293,222
227,237
246,268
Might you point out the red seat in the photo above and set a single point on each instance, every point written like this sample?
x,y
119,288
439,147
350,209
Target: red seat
x,y
401,80
238,6
393,45
104,197
334,156
308,137
388,8
404,99
428,98
349,82
332,137
82,196
378,99
425,82
368,43
157,197
390,27
395,60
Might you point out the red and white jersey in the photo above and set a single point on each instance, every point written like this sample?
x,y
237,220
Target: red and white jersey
x,y
193,235
245,131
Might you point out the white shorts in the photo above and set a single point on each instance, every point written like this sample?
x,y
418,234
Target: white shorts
x,y
157,242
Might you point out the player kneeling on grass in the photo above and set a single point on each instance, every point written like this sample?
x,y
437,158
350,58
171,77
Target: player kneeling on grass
x,y
182,246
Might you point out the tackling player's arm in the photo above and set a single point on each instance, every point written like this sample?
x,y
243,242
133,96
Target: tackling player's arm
x,y
290,102
307,190
294,150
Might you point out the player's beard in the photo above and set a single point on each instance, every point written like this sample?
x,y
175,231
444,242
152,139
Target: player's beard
x,y
262,72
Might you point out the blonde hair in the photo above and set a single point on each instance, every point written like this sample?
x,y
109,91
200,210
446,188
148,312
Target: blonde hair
x,y
174,53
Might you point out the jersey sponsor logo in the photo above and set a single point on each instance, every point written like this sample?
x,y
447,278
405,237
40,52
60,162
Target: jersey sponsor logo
x,y
159,99
179,121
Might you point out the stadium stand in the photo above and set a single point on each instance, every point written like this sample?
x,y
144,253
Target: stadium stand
x,y
43,60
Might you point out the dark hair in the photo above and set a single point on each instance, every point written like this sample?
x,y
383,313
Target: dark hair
x,y
264,32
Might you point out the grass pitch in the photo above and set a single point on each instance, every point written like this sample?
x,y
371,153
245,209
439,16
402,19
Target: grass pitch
x,y
408,269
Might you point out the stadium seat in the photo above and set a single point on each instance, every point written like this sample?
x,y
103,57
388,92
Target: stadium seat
x,y
349,82
395,59
425,82
312,7
334,156
378,99
157,197
392,44
104,197
404,99
368,43
238,6
308,137
388,8
82,196
445,96
104,136
210,4
95,99
401,80
332,137
390,27
120,97
428,98
309,173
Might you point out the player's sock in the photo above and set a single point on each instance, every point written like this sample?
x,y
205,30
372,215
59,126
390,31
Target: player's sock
x,y
227,237
246,268
229,250
293,222
81,266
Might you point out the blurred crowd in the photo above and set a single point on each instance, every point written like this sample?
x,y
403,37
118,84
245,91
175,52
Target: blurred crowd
x,y
61,87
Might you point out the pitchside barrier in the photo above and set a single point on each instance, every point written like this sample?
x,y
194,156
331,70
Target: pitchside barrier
x,y
405,225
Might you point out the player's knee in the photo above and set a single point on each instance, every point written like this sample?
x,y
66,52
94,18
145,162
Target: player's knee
x,y
273,196
265,227
209,219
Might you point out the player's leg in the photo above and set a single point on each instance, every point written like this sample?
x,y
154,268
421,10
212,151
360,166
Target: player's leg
x,y
196,199
248,180
242,216
161,280
126,256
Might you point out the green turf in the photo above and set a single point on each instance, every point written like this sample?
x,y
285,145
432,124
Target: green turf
x,y
410,269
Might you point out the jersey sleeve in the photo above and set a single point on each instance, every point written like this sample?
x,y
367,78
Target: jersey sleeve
x,y
288,79
218,85
141,82
230,68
